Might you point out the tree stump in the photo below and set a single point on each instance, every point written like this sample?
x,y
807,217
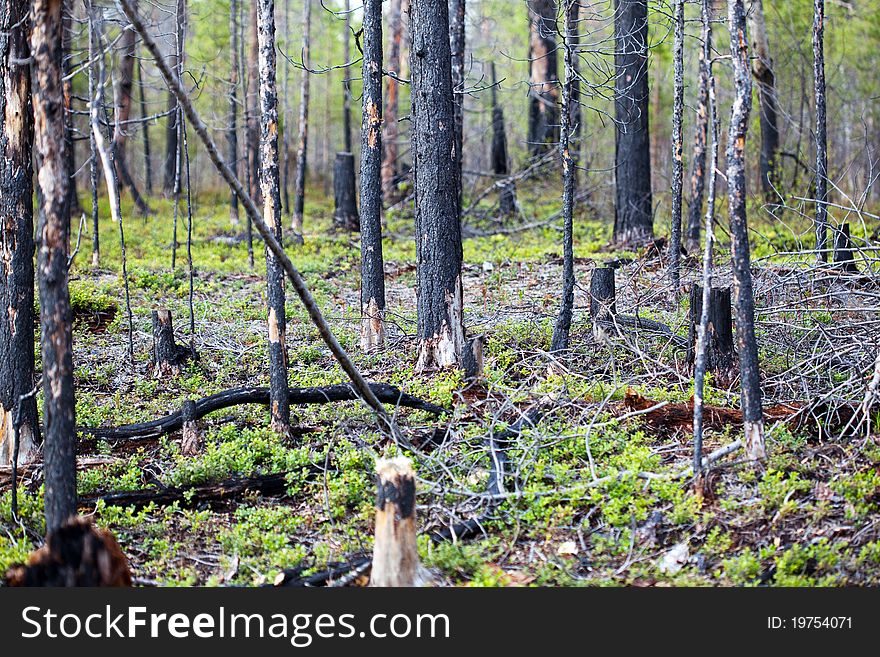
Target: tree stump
x,y
191,443
603,307
395,551
507,199
168,356
720,347
345,215
843,251
472,357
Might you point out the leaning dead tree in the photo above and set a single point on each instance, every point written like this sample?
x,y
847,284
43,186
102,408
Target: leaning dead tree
x,y
19,424
59,447
543,77
372,263
750,376
633,209
358,382
270,182
765,74
390,131
299,198
821,220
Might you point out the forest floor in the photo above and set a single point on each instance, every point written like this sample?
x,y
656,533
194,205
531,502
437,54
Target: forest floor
x,y
593,494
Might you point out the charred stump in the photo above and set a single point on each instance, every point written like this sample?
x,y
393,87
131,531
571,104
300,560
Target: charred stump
x,y
168,356
395,551
720,347
602,299
345,214
192,441
843,250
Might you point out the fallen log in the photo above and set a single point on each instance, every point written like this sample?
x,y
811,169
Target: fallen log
x,y
336,574
252,395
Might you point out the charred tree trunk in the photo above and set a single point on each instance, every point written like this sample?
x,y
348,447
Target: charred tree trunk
x,y
603,295
168,356
93,149
145,131
172,129
765,74
345,214
59,452
389,137
843,251
747,345
191,439
575,116
299,199
232,129
633,210
698,164
270,180
346,85
372,264
456,47
543,77
821,222
67,82
677,165
438,228
562,328
18,408
720,350
500,165
252,106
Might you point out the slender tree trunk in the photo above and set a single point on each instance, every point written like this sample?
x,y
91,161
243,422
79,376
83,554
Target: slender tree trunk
x,y
765,74
500,166
279,404
438,229
93,149
740,260
18,409
346,80
633,210
573,20
392,90
232,129
171,167
67,82
372,264
124,98
677,165
543,77
299,200
456,46
821,222
145,131
285,120
252,101
698,163
562,327
59,452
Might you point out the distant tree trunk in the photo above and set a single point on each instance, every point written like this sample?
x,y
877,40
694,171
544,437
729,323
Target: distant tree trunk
x,y
372,264
345,214
740,260
232,129
59,452
299,200
247,121
543,77
633,210
698,164
562,328
93,150
67,82
677,165
821,222
252,103
389,138
763,70
171,130
438,229
16,238
456,46
346,80
270,180
573,18
145,131
500,166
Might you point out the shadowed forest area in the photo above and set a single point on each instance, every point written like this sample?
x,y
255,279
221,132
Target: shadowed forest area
x,y
448,292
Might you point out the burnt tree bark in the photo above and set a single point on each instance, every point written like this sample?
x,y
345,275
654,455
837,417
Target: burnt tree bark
x,y
93,150
633,210
299,199
603,295
821,221
720,350
456,47
59,451
843,251
167,354
232,129
372,263
67,83
698,160
543,77
677,164
575,116
390,132
270,181
170,166
438,228
747,345
562,327
345,213
252,106
18,409
765,74
145,131
346,83
500,164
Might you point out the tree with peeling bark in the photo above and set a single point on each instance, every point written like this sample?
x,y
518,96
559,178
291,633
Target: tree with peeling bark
x,y
299,199
59,451
543,77
701,132
633,209
744,301
390,131
441,334
18,408
821,220
677,164
372,263
768,100
270,181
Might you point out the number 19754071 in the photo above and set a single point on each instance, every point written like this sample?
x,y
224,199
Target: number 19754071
x,y
809,623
